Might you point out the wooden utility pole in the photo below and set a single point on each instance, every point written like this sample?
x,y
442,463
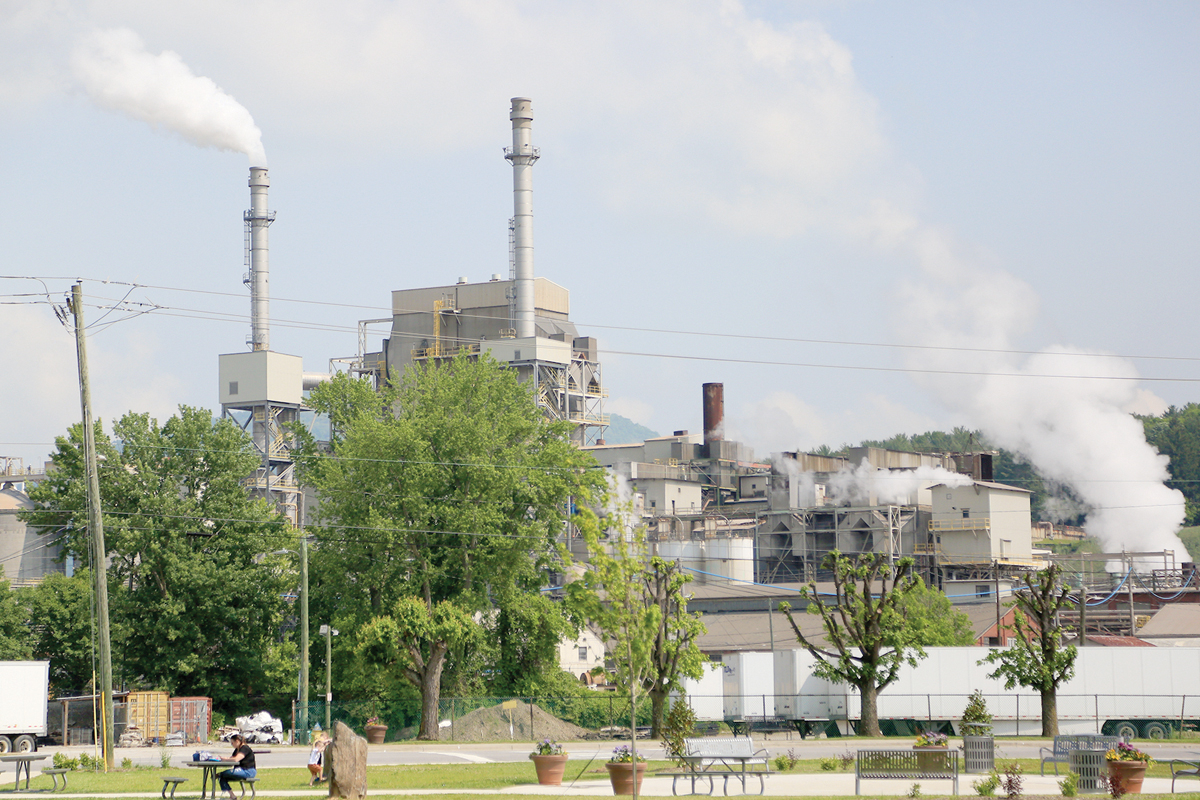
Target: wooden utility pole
x,y
95,533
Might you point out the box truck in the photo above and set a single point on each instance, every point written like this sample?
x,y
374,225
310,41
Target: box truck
x,y
24,691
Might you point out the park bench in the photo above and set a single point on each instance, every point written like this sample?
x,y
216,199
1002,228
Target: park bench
x,y
1186,769
906,765
1063,745
244,781
173,783
725,758
54,773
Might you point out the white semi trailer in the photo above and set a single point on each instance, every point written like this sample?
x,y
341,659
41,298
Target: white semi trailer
x,y
1128,691
24,690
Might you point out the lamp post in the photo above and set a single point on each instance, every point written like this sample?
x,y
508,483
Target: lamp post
x,y
328,631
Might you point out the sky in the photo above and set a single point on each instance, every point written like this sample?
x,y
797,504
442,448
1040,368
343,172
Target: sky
x,y
864,218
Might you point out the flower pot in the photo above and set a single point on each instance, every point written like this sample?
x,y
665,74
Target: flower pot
x,y
931,758
1129,774
622,776
375,734
549,768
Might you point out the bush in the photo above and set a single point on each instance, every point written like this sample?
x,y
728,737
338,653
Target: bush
x,y
62,762
828,763
977,712
677,726
986,787
126,763
1012,781
1069,785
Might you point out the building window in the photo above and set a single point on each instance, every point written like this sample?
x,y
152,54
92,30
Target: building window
x,y
983,589
233,387
583,654
966,513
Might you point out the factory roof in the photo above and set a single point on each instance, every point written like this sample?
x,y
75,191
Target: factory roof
x,y
1176,621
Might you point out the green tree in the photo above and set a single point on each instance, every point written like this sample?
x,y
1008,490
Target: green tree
x,y
195,606
1037,658
1176,434
640,605
932,619
14,635
528,629
451,487
868,638
60,617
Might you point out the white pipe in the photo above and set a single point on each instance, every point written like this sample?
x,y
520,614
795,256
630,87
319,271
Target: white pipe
x,y
311,380
259,219
523,155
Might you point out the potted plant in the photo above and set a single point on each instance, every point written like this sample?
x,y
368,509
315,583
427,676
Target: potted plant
x,y
931,747
376,730
550,760
623,770
1127,767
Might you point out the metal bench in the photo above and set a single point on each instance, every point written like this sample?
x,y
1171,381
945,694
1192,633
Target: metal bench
x,y
725,758
1186,769
54,773
172,782
1063,745
906,765
244,781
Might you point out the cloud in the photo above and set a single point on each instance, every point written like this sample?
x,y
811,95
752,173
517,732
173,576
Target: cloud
x,y
631,408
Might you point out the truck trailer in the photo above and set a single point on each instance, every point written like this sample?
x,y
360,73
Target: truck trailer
x,y
24,691
1148,692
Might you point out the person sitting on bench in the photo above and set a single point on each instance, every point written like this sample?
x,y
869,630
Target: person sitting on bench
x,y
244,757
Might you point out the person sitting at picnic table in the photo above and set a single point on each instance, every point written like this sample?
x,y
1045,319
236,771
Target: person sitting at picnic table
x,y
316,757
244,757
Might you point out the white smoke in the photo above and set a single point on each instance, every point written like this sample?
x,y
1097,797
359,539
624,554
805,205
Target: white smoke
x,y
1064,410
867,485
119,73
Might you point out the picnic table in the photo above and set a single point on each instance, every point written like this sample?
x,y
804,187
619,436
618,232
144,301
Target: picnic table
x,y
210,771
22,761
705,759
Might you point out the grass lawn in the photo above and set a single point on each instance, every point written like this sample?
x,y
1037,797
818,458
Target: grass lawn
x,y
437,776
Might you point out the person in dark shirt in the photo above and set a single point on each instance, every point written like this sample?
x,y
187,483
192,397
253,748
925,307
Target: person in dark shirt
x,y
244,757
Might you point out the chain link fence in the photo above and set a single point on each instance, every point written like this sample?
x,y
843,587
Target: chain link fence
x,y
603,715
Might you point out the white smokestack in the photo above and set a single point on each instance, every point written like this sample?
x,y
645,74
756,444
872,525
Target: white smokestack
x,y
119,73
523,154
258,219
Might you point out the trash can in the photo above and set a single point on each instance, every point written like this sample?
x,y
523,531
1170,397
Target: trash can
x,y
979,749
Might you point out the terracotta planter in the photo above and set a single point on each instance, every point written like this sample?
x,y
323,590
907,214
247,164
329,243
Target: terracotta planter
x,y
1129,774
621,776
931,758
375,734
549,768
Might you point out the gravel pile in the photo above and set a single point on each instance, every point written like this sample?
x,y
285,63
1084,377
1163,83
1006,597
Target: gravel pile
x,y
492,725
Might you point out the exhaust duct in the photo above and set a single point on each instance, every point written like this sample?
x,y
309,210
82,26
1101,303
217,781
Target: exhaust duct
x,y
714,412
523,155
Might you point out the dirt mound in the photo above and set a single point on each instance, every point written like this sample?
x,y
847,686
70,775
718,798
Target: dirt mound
x,y
492,725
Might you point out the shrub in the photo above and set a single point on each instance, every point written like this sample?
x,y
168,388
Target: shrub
x,y
126,763
986,787
677,726
828,763
1012,781
977,712
1069,785
62,762
914,790
847,760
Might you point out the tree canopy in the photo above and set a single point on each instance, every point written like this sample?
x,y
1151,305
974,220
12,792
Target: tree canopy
x,y
933,620
451,487
1037,658
865,626
195,607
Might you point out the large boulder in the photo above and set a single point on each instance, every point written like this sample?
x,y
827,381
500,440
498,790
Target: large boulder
x,y
347,755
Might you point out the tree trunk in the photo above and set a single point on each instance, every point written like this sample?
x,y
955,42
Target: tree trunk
x,y
1049,713
431,692
658,704
868,725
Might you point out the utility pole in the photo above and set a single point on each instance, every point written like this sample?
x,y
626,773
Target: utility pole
x,y
304,637
95,531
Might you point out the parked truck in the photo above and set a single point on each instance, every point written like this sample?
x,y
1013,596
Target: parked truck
x,y
1148,692
24,691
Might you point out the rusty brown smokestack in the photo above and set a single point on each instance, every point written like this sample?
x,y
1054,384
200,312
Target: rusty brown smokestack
x,y
714,412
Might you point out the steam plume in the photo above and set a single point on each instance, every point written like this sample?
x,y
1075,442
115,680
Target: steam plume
x,y
1066,412
119,73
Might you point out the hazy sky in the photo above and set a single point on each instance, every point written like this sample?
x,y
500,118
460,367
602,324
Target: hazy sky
x,y
772,185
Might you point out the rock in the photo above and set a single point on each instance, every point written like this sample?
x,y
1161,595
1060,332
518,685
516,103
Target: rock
x,y
347,755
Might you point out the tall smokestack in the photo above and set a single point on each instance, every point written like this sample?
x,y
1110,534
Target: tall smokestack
x,y
258,219
523,154
714,412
